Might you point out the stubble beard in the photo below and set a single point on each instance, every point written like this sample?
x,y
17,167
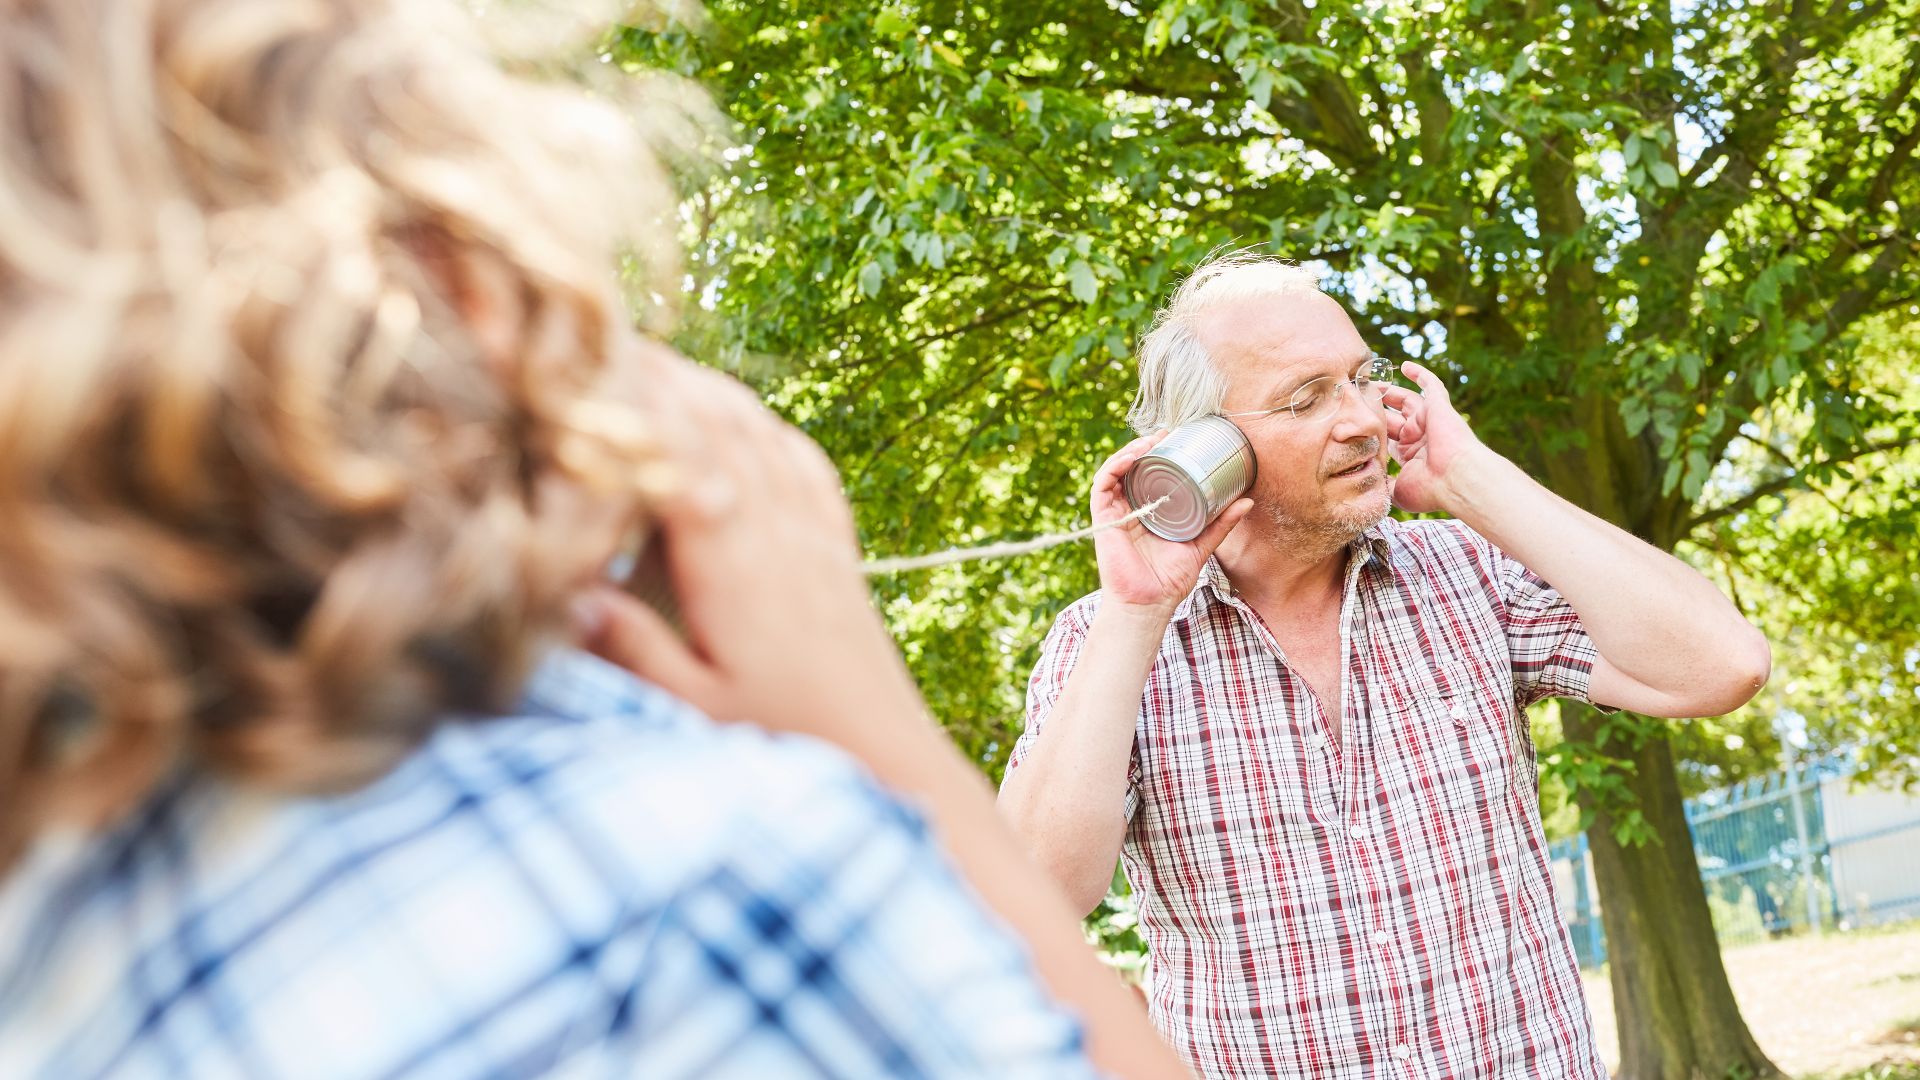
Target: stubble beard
x,y
1320,535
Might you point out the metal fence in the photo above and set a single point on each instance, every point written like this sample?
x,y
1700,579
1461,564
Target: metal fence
x,y
1800,848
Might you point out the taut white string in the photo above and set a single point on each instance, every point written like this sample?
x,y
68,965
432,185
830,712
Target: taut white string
x,y
878,567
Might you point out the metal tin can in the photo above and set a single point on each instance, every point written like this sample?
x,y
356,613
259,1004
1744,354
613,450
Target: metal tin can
x,y
1201,468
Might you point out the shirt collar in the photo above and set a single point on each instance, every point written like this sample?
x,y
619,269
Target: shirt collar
x,y
1374,547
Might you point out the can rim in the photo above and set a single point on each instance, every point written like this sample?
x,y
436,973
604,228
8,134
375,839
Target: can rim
x,y
1243,448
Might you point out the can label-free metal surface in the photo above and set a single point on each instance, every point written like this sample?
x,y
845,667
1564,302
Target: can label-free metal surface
x,y
1200,468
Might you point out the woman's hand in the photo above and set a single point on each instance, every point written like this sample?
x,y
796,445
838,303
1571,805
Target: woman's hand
x,y
759,551
779,631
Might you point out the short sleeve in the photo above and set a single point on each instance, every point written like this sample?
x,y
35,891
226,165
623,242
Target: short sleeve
x,y
1058,656
1551,654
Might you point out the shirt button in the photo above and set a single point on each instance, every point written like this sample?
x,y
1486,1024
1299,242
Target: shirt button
x,y
1321,742
1458,712
1358,832
1403,1051
1382,938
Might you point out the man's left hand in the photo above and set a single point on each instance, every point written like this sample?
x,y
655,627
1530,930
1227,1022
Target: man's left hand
x,y
1429,440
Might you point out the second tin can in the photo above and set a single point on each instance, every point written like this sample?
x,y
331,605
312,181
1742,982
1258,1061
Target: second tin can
x,y
1201,468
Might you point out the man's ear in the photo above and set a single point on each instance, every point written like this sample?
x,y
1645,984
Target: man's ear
x,y
477,287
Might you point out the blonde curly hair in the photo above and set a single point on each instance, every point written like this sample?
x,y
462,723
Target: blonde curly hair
x,y
306,314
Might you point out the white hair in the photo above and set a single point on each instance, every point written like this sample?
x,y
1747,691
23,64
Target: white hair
x,y
1179,382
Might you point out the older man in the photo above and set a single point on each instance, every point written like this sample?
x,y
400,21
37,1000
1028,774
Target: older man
x,y
1303,732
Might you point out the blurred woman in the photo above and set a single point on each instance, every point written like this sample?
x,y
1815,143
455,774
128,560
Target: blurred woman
x,y
320,418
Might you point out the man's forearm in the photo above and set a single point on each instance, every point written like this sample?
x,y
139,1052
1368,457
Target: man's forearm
x,y
1067,798
1652,618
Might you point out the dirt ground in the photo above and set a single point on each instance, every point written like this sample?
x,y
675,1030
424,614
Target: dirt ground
x,y
1819,1007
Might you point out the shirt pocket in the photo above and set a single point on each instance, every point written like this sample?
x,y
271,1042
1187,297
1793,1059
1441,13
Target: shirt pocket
x,y
1460,746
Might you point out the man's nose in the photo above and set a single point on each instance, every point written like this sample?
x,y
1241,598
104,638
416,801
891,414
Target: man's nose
x,y
1358,415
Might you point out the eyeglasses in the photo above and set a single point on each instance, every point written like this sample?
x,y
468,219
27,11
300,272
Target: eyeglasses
x,y
1319,399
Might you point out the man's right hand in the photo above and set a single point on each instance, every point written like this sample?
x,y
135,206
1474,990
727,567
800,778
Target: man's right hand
x,y
1067,799
1138,568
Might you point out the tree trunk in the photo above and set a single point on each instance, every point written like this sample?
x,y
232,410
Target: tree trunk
x,y
1672,1005
1674,1008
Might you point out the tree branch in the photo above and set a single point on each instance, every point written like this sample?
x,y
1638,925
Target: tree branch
x,y
1429,94
1856,301
1796,478
1706,207
1329,100
1574,316
935,405
1043,300
1881,187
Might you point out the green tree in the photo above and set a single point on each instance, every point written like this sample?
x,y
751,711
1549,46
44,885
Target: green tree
x,y
1825,561
1639,240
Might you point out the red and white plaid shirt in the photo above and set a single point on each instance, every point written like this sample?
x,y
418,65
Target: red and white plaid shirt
x,y
1379,908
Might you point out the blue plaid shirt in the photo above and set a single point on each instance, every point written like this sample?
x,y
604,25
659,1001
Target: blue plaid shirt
x,y
606,884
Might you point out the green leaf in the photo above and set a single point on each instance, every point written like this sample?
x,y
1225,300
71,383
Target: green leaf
x,y
1664,173
1800,337
1632,151
1157,29
1260,87
892,23
1633,414
870,280
1672,477
1697,465
1086,287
